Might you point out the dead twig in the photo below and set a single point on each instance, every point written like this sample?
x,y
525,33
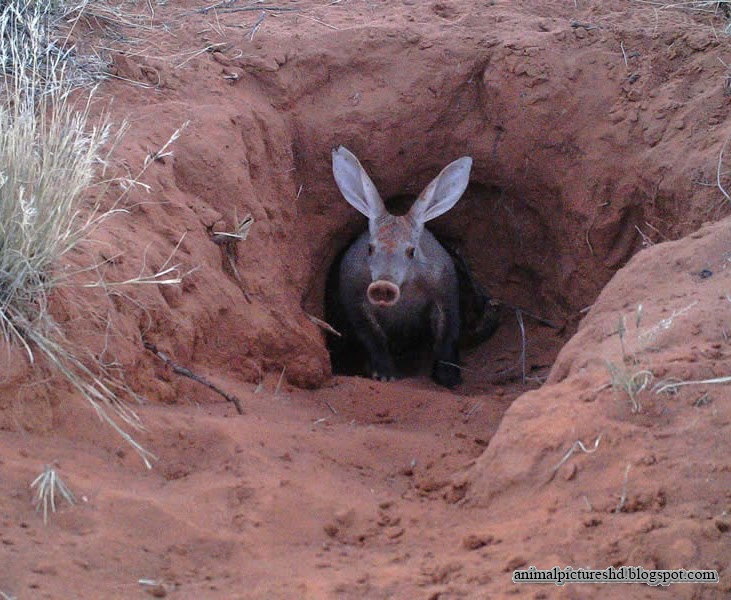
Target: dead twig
x,y
208,48
227,10
623,497
324,325
223,4
318,21
519,316
258,23
188,373
588,233
474,409
718,170
228,242
533,316
279,383
587,26
646,240
591,224
656,230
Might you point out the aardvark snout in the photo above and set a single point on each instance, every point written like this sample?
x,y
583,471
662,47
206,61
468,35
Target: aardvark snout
x,y
383,293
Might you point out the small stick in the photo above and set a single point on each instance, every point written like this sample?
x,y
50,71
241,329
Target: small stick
x,y
718,170
222,4
533,316
587,26
588,232
252,8
656,230
623,497
324,325
519,316
279,383
228,242
646,241
231,256
316,20
474,409
208,48
256,26
187,373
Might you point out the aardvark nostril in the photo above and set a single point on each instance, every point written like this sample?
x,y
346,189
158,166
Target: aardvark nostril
x,y
383,293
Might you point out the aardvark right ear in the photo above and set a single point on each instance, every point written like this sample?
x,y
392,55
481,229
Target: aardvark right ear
x,y
443,192
355,185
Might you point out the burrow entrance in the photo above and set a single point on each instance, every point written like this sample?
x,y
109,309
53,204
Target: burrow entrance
x,y
514,321
566,185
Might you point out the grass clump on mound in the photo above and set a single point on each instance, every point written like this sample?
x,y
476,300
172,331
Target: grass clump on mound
x,y
50,154
31,46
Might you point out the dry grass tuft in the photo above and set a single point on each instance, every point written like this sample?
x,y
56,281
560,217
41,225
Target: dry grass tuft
x,y
32,49
630,381
51,153
628,376
47,486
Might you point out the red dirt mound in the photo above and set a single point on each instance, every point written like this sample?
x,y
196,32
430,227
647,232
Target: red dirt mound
x,y
595,131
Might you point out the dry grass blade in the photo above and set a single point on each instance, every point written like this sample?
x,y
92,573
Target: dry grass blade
x,y
169,276
164,151
576,446
519,316
719,168
718,7
279,382
47,486
670,386
623,497
228,9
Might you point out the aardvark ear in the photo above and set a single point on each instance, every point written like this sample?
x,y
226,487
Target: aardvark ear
x,y
355,185
443,192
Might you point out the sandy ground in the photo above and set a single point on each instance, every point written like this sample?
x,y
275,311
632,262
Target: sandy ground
x,y
596,130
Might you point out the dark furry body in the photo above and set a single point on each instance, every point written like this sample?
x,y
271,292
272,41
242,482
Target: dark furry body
x,y
409,346
426,313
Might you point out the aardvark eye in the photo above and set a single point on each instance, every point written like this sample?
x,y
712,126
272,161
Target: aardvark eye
x,y
370,249
410,251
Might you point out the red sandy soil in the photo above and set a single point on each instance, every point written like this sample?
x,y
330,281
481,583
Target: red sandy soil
x,y
595,128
